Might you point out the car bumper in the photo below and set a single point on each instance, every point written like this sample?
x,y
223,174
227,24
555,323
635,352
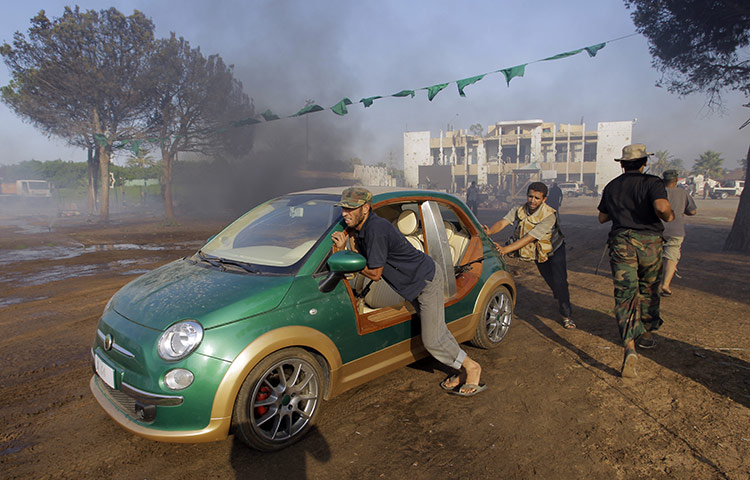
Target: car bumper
x,y
116,403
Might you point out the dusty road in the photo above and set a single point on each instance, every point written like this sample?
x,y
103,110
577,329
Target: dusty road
x,y
556,407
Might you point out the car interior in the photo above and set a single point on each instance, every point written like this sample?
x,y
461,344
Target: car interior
x,y
406,218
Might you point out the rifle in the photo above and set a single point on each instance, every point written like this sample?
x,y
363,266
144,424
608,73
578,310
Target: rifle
x,y
461,269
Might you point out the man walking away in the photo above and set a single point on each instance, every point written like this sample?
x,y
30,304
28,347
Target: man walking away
x,y
472,198
674,232
636,204
555,197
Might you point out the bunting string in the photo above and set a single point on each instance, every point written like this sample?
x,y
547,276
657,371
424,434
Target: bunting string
x,y
340,108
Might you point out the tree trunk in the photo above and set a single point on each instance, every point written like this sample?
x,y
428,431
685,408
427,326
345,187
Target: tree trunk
x,y
166,159
93,160
104,154
739,237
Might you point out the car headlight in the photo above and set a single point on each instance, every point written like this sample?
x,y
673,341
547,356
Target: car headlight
x,y
179,340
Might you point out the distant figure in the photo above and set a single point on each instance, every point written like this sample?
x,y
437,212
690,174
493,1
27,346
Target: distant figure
x,y
674,231
538,238
472,198
555,196
636,204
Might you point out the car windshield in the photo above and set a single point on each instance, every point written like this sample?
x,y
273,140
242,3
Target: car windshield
x,y
277,233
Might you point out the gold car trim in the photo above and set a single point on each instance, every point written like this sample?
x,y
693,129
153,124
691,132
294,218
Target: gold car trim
x,y
499,278
260,348
217,428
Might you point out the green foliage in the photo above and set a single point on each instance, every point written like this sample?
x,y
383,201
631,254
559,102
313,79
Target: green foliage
x,y
663,161
709,165
698,46
477,130
70,175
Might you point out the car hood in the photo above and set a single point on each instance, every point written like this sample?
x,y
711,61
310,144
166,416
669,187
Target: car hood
x,y
182,290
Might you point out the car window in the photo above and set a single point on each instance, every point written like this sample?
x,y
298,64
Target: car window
x,y
277,233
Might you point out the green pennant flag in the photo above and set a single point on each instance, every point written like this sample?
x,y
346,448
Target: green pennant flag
x,y
512,72
101,139
434,90
591,50
368,101
563,55
245,121
308,109
268,115
404,93
340,108
135,146
466,82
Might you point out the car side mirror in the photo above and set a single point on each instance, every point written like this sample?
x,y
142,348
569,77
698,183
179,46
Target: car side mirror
x,y
341,263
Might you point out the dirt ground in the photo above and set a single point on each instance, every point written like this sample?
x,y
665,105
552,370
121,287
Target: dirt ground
x,y
555,408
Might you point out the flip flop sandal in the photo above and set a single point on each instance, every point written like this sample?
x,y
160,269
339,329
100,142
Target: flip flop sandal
x,y
628,366
449,379
568,323
470,386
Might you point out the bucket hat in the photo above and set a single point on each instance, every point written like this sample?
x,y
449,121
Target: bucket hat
x,y
635,151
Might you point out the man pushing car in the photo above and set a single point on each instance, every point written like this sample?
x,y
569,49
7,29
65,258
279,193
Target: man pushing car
x,y
413,275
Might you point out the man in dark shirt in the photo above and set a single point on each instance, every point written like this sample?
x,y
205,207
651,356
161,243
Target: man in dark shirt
x,y
413,275
636,204
472,198
555,197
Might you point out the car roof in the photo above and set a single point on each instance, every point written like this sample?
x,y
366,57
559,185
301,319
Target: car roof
x,y
378,191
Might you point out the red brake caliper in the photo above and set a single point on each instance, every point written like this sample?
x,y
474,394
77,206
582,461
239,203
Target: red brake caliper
x,y
263,393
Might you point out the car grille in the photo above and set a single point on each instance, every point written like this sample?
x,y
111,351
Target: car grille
x,y
124,402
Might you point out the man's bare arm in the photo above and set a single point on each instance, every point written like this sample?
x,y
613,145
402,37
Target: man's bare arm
x,y
517,245
663,209
372,273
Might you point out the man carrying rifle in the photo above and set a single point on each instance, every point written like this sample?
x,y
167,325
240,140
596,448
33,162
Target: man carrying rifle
x,y
413,275
538,238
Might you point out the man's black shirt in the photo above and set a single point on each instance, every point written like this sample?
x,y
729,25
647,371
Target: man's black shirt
x,y
405,268
629,202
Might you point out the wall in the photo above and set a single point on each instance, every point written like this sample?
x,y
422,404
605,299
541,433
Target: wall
x,y
612,137
416,154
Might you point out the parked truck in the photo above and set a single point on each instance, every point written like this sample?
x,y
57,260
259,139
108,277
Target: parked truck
x,y
730,188
26,188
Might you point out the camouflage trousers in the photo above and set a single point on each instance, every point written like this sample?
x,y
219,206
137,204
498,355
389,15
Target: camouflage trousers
x,y
636,264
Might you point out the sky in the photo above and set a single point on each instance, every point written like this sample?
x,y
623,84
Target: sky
x,y
286,52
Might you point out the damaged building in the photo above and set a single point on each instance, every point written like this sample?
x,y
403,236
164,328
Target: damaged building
x,y
514,153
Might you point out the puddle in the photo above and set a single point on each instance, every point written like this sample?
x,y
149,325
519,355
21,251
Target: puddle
x,y
60,252
4,302
57,273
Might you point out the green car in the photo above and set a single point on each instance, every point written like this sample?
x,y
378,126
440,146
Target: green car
x,y
261,324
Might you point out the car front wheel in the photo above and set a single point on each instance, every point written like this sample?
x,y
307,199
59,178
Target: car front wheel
x,y
279,399
497,313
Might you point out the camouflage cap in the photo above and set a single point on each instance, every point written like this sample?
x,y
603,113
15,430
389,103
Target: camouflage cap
x,y
670,175
355,197
635,151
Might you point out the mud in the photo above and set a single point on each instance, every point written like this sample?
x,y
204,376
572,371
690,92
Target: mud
x,y
555,408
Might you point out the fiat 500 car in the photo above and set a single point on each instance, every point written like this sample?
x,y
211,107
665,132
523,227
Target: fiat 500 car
x,y
264,322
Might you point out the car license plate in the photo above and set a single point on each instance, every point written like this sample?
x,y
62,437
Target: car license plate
x,y
105,372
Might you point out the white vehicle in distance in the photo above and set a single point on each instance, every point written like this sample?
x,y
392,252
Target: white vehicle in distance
x,y
571,189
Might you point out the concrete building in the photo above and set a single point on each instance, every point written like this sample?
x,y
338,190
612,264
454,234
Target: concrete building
x,y
513,153
373,175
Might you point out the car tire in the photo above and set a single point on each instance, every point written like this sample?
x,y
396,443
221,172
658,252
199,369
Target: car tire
x,y
279,400
494,322
723,195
